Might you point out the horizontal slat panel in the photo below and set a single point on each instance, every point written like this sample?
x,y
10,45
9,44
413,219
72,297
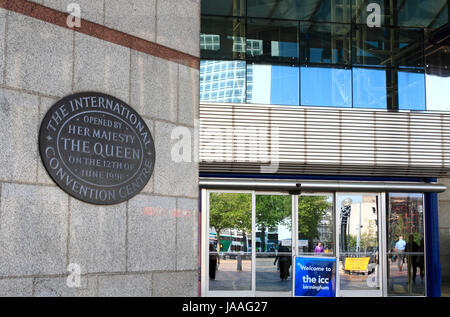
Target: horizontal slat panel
x,y
242,138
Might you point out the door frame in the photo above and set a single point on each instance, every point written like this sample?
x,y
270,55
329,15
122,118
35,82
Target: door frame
x,y
293,243
204,248
381,274
205,245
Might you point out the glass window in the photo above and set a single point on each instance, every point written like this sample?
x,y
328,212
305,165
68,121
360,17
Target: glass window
x,y
230,223
329,87
440,18
224,7
405,243
316,225
408,47
270,40
369,88
438,94
272,84
406,13
438,80
369,45
325,43
411,91
419,13
226,83
274,9
274,243
222,38
324,10
359,244
308,10
386,47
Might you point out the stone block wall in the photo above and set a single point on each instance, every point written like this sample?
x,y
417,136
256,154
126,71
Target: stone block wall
x,y
147,246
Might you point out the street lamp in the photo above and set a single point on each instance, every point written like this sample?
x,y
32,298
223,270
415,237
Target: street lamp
x,y
347,202
345,214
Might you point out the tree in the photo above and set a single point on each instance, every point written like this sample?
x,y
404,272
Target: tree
x,y
311,210
230,211
271,211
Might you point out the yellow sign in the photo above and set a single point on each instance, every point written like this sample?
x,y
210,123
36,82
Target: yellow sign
x,y
356,264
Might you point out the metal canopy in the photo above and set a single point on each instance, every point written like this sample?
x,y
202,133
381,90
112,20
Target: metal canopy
x,y
320,186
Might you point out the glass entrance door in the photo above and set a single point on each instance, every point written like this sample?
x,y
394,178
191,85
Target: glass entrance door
x,y
359,244
273,243
229,243
249,244
250,240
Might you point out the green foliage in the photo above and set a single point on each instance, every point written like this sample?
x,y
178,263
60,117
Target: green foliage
x,y
230,211
311,209
273,210
233,211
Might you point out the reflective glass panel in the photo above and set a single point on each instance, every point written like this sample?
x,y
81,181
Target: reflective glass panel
x,y
408,47
411,91
274,9
383,47
272,84
222,81
358,242
271,40
224,7
230,223
369,88
405,244
274,243
222,38
324,10
370,46
321,86
308,10
419,13
406,13
438,92
325,43
316,225
438,79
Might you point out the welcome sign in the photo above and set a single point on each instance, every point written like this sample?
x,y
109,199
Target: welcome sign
x,y
315,276
96,148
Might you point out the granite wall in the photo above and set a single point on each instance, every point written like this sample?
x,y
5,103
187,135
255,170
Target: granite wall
x,y
147,246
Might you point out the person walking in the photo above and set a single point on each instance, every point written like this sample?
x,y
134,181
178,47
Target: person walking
x,y
400,246
284,261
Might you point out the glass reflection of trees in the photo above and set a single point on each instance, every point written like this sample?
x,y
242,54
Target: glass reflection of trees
x,y
315,221
231,211
406,220
272,211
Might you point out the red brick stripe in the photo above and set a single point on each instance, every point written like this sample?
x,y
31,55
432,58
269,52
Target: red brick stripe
x,y
102,32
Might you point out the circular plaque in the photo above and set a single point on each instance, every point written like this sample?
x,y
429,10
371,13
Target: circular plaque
x,y
96,148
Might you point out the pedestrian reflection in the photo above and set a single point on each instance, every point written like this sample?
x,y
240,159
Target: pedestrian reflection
x,y
284,261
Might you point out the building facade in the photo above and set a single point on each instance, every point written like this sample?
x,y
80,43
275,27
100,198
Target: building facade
x,y
324,125
144,53
283,131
